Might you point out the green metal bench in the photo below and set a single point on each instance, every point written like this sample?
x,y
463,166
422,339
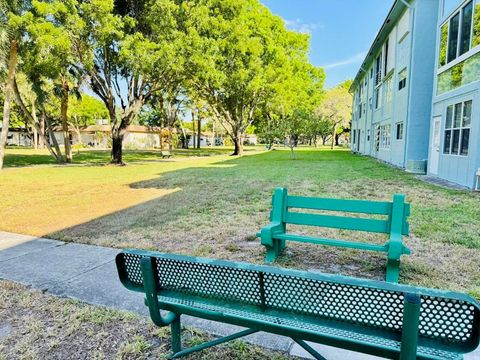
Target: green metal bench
x,y
274,235
379,318
166,154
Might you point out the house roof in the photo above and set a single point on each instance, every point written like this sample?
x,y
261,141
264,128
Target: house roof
x,y
392,18
108,129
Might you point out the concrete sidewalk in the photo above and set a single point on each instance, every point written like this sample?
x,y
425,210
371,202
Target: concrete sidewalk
x,y
88,273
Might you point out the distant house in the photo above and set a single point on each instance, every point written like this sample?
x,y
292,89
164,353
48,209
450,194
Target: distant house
x,y
207,138
18,137
99,136
250,139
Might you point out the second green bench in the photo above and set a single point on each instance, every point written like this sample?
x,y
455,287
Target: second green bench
x,y
395,213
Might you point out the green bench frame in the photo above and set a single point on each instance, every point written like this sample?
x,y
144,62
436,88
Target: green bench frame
x,y
378,318
274,235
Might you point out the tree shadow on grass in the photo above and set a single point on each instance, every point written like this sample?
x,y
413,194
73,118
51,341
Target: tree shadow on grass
x,y
215,211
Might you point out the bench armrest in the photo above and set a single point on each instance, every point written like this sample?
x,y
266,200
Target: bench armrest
x,y
397,248
267,232
151,296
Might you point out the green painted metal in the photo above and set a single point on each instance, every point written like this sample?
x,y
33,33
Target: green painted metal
x,y
176,330
357,314
151,294
353,206
338,222
309,349
274,235
331,242
411,321
215,342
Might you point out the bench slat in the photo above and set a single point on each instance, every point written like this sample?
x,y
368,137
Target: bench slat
x,y
338,222
330,242
354,206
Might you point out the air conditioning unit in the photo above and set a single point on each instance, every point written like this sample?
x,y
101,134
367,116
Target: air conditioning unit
x,y
417,166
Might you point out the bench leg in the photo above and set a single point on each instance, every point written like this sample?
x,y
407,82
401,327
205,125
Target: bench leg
x,y
393,270
411,321
176,330
215,342
271,254
309,349
274,251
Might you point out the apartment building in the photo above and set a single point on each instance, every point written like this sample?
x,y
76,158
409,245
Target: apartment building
x,y
393,88
454,148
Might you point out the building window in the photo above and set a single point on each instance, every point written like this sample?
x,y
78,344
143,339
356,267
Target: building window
x,y
371,72
377,137
354,138
443,45
385,63
378,97
460,74
457,128
466,28
456,37
402,79
389,90
385,137
360,111
368,134
453,37
399,131
378,69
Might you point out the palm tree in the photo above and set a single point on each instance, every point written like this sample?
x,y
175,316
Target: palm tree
x,y
8,59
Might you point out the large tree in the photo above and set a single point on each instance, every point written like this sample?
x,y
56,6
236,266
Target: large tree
x,y
337,108
129,55
240,54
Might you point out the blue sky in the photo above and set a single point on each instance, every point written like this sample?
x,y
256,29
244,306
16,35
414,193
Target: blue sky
x,y
341,30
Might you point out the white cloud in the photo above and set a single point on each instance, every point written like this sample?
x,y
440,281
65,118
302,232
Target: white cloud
x,y
300,26
351,60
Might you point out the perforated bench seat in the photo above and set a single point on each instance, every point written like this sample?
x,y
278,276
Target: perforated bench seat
x,y
362,315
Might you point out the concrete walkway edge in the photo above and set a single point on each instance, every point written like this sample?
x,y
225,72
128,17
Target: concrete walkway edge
x,y
88,273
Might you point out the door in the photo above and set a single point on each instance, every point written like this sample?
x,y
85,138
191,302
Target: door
x,y
435,145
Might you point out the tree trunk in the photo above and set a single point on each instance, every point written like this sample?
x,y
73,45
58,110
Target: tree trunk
x,y
117,144
333,135
64,118
194,145
12,65
57,155
41,138
337,136
199,131
237,142
52,139
34,129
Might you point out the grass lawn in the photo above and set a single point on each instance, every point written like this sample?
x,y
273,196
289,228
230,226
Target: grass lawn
x,y
213,205
21,157
37,326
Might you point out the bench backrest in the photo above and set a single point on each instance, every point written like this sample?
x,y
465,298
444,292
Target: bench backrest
x,y
396,213
450,320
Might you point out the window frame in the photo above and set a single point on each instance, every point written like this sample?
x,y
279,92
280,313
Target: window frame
x,y
385,137
397,124
446,21
402,81
452,128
